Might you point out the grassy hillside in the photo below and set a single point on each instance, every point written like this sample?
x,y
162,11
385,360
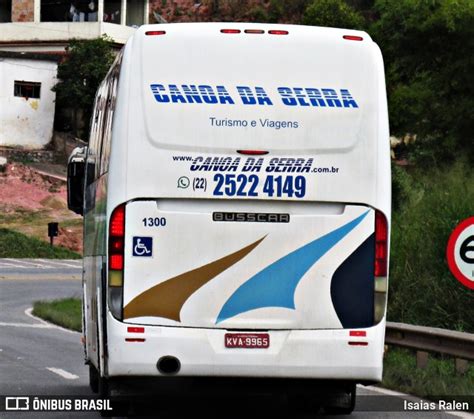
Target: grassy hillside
x,y
437,379
17,245
428,204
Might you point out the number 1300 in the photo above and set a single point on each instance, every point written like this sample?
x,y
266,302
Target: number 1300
x,y
154,221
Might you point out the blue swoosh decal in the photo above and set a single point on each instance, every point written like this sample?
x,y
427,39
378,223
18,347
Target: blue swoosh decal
x,y
275,285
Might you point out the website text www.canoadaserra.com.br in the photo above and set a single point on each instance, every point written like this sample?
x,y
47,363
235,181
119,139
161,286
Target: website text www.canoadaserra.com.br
x,y
254,164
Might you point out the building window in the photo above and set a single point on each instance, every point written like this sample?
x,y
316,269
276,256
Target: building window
x,y
69,10
5,11
112,9
135,13
27,89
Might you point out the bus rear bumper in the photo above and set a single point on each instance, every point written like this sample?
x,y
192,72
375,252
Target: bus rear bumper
x,y
313,354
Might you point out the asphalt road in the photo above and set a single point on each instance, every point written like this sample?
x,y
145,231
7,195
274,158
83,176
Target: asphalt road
x,y
40,268
37,358
34,354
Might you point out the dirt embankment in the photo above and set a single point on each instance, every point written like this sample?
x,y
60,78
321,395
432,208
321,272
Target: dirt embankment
x,y
29,200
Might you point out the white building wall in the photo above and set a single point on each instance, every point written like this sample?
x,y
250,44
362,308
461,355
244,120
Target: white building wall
x,y
27,123
59,33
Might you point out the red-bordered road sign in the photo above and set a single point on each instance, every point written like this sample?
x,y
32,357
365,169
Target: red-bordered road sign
x,y
460,252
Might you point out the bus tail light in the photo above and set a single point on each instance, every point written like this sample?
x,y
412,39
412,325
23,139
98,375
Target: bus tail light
x,y
380,265
253,152
381,244
353,38
116,259
154,33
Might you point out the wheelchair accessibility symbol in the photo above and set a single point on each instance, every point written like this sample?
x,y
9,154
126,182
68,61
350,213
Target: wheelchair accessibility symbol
x,y
143,246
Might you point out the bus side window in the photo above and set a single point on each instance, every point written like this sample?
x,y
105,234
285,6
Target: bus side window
x,y
93,140
105,152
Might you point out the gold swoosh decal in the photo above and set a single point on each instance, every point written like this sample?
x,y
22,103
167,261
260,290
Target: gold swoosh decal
x,y
167,298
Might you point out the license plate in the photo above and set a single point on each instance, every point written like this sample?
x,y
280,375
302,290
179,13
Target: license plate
x,y
247,340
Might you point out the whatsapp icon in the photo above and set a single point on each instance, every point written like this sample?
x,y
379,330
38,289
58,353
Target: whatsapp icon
x,y
183,182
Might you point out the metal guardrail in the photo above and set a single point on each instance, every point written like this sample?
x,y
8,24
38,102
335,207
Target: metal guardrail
x,y
431,339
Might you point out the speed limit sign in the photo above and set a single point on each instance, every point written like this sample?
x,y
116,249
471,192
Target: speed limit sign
x,y
460,252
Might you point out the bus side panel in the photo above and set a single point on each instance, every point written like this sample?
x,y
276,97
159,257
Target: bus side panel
x,y
94,257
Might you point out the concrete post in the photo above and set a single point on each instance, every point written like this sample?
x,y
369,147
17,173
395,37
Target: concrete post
x,y
100,11
37,11
123,12
462,365
146,12
421,359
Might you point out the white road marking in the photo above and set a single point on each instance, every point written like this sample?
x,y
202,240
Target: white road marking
x,y
40,263
42,324
29,313
56,263
385,391
9,265
28,263
62,373
37,326
12,260
65,264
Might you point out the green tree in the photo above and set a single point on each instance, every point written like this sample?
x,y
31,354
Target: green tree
x,y
427,47
284,11
80,74
258,14
333,13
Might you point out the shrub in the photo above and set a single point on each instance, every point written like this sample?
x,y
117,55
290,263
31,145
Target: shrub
x,y
422,289
333,13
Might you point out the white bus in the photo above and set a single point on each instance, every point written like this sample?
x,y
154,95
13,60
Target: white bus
x,y
236,196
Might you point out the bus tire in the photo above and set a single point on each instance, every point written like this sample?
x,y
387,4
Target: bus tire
x,y
302,405
94,378
120,408
342,403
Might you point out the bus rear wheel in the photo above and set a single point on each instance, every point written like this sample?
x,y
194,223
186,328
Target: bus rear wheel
x,y
94,378
341,403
